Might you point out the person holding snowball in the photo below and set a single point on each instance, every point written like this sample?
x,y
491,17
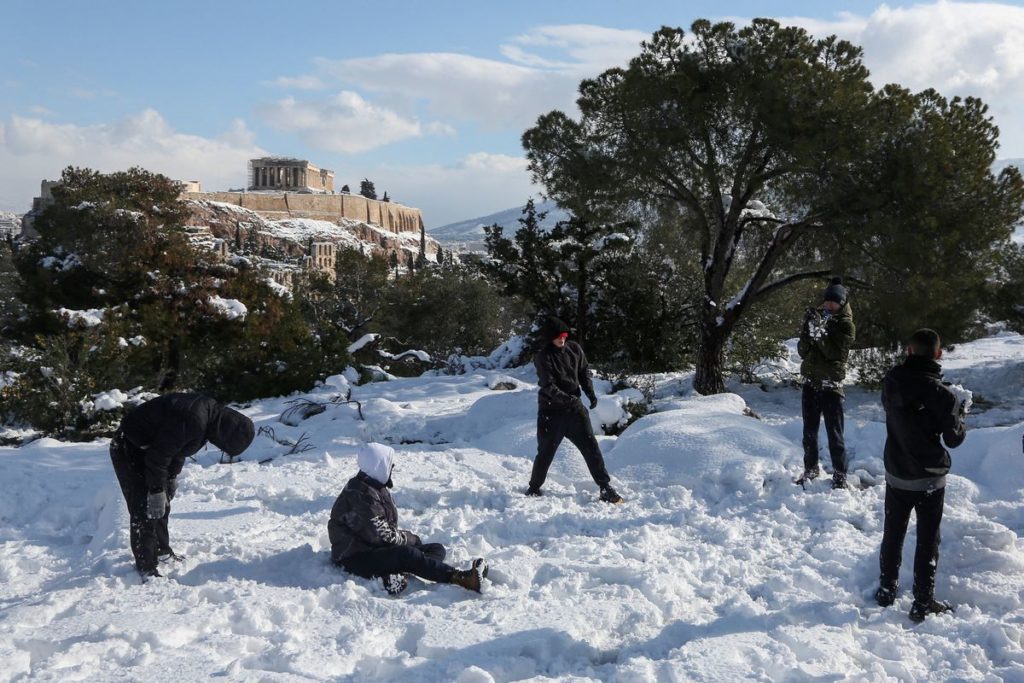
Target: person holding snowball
x,y
563,375
921,414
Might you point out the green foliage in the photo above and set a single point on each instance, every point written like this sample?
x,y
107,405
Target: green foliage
x,y
1006,291
10,305
445,310
366,189
870,365
114,245
527,264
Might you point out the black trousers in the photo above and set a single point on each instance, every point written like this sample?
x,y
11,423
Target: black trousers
x,y
574,424
898,504
149,538
425,561
815,404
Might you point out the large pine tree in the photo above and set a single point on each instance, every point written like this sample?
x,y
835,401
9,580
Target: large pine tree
x,y
782,161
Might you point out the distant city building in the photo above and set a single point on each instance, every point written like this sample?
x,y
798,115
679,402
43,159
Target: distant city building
x,y
296,175
10,225
191,186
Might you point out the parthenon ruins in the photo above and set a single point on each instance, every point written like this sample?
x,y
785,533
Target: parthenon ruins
x,y
282,173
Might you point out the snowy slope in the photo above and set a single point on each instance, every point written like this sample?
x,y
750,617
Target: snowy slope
x,y
717,568
468,235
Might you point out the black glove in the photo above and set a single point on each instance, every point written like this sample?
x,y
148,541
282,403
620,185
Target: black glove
x,y
172,487
412,539
156,505
593,403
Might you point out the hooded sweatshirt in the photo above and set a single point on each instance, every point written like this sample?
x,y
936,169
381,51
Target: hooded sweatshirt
x,y
562,373
919,410
364,516
167,429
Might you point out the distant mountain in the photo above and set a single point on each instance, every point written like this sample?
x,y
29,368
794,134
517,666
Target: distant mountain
x,y
468,235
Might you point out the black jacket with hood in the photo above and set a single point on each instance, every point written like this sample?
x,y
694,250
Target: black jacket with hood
x,y
561,372
163,431
919,410
364,516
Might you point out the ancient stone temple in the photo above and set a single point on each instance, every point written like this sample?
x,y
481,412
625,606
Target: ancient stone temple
x,y
285,174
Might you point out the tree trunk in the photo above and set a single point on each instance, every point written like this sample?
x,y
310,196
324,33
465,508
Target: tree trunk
x,y
708,378
581,306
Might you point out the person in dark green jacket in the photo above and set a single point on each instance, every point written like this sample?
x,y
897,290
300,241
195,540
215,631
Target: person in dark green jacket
x,y
825,340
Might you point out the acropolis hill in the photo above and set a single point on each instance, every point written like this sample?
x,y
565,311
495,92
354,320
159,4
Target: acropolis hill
x,y
283,188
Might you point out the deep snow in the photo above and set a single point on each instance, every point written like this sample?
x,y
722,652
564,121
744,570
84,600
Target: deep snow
x,y
716,568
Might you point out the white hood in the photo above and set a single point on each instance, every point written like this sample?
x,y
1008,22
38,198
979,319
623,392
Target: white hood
x,y
375,459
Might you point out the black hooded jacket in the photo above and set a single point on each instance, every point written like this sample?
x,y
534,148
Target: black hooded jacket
x,y
919,410
561,372
364,517
167,429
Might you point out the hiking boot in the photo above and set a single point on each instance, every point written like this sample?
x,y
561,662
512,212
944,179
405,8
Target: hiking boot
x,y
610,495
808,476
472,578
394,584
839,480
533,492
886,595
170,556
919,610
148,574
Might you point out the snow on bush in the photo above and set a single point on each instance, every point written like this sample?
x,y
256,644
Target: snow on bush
x,y
362,341
87,318
506,355
232,309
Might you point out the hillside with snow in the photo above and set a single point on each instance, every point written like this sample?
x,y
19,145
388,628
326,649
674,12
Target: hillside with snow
x,y
717,568
291,237
468,235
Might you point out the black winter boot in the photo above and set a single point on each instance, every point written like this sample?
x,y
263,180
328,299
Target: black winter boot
x,y
886,595
839,480
533,492
919,610
148,574
808,476
472,578
610,495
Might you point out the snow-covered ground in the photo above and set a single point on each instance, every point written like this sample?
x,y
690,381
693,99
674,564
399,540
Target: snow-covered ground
x,y
716,568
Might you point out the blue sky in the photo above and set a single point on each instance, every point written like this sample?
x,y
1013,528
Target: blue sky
x,y
429,100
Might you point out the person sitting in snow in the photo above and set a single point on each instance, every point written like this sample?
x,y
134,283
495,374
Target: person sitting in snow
x,y
148,451
561,372
919,409
825,340
366,540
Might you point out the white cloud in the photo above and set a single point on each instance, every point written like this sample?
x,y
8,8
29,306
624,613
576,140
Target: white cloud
x,y
541,72
345,123
958,48
307,82
476,185
592,49
32,149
